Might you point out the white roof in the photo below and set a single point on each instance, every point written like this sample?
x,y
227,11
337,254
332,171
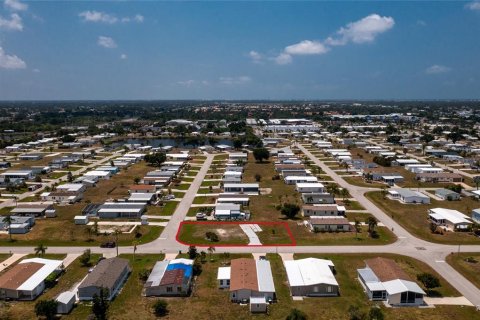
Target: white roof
x,y
70,187
187,262
258,300
453,216
224,273
301,178
309,185
97,173
264,276
65,297
309,271
399,285
141,196
38,277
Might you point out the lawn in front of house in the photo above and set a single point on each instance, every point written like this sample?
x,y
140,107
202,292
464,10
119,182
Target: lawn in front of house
x,y
413,217
204,200
468,264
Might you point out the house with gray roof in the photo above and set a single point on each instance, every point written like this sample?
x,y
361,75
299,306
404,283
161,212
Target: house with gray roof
x,y
408,196
109,274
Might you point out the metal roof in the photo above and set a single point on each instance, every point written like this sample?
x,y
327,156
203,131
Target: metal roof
x,y
264,276
223,273
310,271
453,216
65,297
398,286
38,277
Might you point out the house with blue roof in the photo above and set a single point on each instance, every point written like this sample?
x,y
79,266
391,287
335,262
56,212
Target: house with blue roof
x,y
170,278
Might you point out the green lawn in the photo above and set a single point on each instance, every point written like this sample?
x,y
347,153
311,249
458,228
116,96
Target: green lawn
x,y
413,217
210,183
360,182
204,200
182,186
193,233
167,210
468,264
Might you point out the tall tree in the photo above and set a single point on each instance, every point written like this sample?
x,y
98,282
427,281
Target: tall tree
x,y
296,314
100,305
261,154
7,220
46,309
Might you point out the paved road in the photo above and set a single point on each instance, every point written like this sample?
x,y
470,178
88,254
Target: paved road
x,y
167,240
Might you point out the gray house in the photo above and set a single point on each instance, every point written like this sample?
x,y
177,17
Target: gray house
x,y
446,194
109,274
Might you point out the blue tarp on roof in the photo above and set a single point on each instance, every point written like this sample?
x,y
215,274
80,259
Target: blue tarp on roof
x,y
187,269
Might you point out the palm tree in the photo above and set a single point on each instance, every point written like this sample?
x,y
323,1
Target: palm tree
x,y
8,221
134,244
211,250
476,180
332,188
116,232
344,193
357,228
40,250
372,223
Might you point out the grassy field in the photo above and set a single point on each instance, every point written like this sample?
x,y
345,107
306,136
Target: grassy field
x,y
468,264
194,233
72,275
182,186
166,210
61,231
360,182
414,217
204,200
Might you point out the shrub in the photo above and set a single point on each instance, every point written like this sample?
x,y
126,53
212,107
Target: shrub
x,y
160,308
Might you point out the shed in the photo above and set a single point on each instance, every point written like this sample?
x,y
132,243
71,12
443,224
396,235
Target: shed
x,y
65,302
258,305
80,220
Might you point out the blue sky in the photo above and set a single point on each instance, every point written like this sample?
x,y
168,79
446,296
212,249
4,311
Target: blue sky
x,y
239,50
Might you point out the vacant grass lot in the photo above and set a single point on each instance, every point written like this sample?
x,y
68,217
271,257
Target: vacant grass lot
x,y
72,275
360,182
166,210
469,269
61,231
194,233
414,217
204,200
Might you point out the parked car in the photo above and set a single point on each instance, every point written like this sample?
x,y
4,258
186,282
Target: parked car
x,y
201,216
109,244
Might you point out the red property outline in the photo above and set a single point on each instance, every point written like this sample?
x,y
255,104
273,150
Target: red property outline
x,y
284,224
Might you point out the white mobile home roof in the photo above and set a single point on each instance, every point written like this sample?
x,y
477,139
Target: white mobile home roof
x,y
301,178
453,216
309,271
97,173
264,276
241,185
399,285
38,277
309,185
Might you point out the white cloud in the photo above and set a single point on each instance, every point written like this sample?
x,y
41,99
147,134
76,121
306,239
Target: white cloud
x,y
15,23
186,83
138,18
106,42
102,17
97,16
255,56
123,56
437,69
234,80
36,70
475,5
306,47
11,61
421,23
15,5
283,58
362,31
